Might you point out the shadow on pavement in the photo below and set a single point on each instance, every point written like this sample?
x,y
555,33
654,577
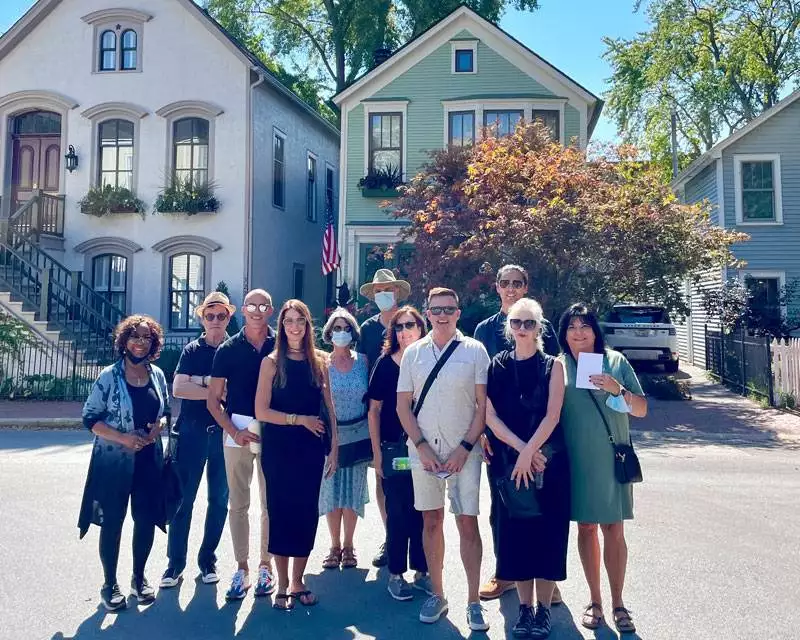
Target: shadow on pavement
x,y
33,439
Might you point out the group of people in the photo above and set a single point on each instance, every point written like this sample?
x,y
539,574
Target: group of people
x,y
411,396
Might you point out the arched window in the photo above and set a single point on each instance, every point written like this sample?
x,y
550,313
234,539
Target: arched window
x,y
130,42
109,278
190,150
116,153
186,289
108,51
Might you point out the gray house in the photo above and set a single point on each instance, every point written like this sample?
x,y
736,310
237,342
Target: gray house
x,y
752,179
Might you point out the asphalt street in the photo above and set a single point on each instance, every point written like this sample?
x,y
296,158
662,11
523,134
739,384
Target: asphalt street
x,y
713,554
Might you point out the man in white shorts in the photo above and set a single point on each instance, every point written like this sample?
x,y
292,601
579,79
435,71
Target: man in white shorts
x,y
442,439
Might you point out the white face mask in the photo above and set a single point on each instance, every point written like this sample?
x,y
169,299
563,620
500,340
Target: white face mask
x,y
384,300
341,338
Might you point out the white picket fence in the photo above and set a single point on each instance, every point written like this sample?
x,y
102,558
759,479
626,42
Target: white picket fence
x,y
786,368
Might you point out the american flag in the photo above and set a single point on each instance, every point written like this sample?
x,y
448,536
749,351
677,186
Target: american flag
x,y
330,252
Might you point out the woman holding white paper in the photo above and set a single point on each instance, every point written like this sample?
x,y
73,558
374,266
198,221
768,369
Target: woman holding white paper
x,y
597,497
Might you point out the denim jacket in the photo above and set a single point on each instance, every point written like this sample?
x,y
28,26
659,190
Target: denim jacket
x,y
108,483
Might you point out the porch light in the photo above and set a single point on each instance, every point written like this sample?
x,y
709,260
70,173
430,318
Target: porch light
x,y
71,159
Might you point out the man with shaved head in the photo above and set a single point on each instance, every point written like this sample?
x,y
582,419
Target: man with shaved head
x,y
231,400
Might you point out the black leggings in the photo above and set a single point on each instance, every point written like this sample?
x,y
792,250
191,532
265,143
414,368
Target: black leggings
x,y
142,499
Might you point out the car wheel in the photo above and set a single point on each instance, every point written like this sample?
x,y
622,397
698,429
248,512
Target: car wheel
x,y
671,367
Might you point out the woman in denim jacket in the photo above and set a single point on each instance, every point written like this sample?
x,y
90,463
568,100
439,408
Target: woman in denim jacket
x,y
124,411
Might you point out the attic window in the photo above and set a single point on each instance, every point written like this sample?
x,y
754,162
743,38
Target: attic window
x,y
464,56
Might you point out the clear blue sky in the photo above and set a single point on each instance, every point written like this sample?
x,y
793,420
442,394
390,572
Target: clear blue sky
x,y
567,33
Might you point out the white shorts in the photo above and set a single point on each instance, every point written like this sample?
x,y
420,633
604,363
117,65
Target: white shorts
x,y
463,488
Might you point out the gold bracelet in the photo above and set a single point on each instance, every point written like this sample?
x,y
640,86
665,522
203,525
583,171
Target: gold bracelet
x,y
291,418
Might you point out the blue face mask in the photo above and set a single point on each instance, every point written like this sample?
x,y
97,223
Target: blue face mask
x,y
618,404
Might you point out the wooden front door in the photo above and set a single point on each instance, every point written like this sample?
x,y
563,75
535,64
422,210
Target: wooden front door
x,y
35,155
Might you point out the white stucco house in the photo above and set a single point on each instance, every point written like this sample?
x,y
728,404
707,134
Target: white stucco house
x,y
137,93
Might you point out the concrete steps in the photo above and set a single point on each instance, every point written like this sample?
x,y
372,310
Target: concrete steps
x,y
15,308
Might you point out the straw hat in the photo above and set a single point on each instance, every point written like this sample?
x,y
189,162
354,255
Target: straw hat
x,y
215,297
385,276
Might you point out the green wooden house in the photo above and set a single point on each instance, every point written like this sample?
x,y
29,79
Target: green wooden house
x,y
443,87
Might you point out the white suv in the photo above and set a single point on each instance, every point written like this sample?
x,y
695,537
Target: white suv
x,y
642,332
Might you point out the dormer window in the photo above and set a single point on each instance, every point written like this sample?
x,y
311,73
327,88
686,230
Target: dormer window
x,y
118,38
464,58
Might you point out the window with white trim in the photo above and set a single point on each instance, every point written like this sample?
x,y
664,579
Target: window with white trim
x,y
190,150
186,290
110,278
464,57
115,153
108,51
118,49
311,190
502,122
461,128
386,142
765,298
550,119
757,187
330,188
278,170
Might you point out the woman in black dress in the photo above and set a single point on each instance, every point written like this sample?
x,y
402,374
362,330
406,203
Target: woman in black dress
x,y
403,522
292,385
526,391
124,411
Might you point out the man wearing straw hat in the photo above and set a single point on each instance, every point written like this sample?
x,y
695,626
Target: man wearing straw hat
x,y
199,445
386,291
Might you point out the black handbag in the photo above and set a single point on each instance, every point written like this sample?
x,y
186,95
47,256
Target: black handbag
x,y
357,452
390,451
522,502
627,468
170,479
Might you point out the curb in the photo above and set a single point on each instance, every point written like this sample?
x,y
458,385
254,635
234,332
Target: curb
x,y
41,423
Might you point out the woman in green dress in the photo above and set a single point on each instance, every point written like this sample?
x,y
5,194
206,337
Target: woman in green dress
x,y
597,497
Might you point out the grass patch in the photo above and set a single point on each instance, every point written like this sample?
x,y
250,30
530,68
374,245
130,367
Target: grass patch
x,y
664,387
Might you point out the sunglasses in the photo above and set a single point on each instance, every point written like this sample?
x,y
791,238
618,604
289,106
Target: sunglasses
x,y
140,339
448,311
516,323
347,329
210,317
252,308
515,284
288,322
400,326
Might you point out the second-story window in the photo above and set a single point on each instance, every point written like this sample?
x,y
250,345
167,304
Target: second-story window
x,y
386,142
108,51
190,150
329,189
116,153
311,196
278,171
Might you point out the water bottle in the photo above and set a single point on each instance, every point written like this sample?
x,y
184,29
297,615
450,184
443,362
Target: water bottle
x,y
255,427
405,464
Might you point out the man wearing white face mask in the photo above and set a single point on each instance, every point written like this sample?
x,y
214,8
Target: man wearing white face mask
x,y
386,291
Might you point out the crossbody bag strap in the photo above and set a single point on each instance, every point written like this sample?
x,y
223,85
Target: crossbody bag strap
x,y
603,416
432,375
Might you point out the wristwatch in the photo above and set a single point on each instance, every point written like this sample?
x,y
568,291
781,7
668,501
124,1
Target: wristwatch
x,y
467,445
421,441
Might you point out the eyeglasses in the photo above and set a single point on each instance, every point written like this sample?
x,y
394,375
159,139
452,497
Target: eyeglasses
x,y
515,284
400,326
288,322
252,308
347,329
448,311
516,323
140,339
210,317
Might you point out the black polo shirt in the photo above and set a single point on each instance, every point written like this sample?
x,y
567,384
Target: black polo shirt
x,y
373,333
239,363
196,360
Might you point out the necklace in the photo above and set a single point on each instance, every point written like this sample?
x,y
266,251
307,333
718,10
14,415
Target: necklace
x,y
295,350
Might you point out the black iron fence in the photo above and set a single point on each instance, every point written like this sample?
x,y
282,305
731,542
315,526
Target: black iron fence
x,y
742,361
61,370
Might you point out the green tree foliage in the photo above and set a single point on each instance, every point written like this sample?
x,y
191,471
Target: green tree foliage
x,y
336,39
716,63
600,231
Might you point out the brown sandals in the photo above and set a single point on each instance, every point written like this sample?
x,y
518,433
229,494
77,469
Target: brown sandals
x,y
623,621
589,619
349,559
333,559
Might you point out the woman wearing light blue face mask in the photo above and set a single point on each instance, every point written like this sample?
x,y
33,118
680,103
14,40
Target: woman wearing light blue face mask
x,y
343,496
598,498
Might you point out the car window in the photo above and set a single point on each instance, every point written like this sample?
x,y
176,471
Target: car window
x,y
639,315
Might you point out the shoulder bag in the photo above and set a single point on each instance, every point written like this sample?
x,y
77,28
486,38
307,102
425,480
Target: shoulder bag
x,y
170,479
626,463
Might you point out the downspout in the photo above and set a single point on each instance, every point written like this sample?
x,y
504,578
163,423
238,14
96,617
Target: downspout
x,y
248,228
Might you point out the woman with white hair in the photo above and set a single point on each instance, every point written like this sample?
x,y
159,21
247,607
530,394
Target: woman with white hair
x,y
343,496
525,393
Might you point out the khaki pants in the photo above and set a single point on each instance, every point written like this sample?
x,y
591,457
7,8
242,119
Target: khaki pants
x,y
239,462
